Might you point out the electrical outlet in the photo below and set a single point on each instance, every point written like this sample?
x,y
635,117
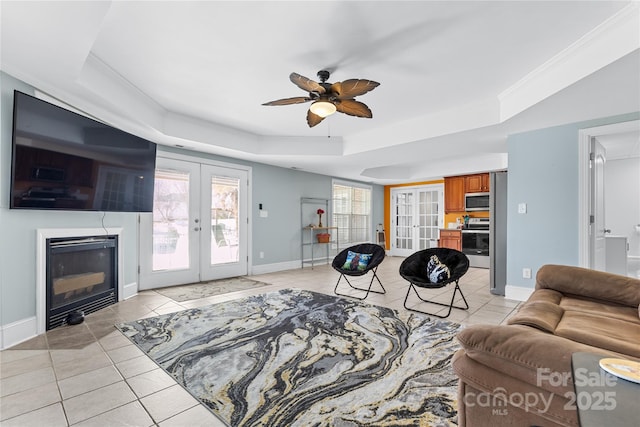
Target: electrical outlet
x,y
261,254
522,208
526,273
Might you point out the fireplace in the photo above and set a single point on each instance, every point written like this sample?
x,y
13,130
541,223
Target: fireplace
x,y
81,277
44,235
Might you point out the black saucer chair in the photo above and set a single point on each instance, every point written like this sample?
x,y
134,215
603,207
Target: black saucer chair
x,y
377,256
414,270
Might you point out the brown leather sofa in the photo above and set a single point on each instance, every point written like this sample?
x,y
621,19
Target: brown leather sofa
x,y
519,374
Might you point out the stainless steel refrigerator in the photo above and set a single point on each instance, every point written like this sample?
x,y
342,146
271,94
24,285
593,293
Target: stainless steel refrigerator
x,y
498,232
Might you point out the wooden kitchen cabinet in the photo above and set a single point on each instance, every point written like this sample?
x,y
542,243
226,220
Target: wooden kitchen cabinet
x,y
478,183
454,188
450,239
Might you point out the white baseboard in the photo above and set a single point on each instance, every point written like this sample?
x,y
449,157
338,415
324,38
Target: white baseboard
x,y
129,290
272,268
17,332
517,293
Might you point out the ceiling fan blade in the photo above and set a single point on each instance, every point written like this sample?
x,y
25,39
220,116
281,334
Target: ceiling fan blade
x,y
313,119
289,101
353,108
353,87
305,83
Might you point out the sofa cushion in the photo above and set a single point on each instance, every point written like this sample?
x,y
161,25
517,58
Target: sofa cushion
x,y
614,311
546,295
542,315
601,331
545,309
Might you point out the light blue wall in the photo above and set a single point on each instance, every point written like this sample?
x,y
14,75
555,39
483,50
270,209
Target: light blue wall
x,y
279,190
278,235
18,227
543,173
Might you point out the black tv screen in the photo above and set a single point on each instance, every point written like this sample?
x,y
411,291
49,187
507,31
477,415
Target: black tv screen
x,y
63,160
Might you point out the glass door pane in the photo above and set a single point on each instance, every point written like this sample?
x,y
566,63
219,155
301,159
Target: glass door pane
x,y
428,218
403,222
171,220
224,219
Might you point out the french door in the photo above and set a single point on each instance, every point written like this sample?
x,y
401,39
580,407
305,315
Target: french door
x,y
198,230
417,214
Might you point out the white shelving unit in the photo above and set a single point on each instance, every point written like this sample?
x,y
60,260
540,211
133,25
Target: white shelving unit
x,y
311,251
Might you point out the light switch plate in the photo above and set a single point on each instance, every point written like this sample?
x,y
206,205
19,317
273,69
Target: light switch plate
x,y
522,208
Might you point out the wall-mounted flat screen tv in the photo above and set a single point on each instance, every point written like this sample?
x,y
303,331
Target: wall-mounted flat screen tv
x,y
63,160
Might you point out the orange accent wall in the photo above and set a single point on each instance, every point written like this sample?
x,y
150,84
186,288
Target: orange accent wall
x,y
387,205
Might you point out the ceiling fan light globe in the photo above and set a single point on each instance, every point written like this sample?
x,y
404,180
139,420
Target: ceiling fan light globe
x,y
323,108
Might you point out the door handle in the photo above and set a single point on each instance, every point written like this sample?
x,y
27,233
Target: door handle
x,y
607,230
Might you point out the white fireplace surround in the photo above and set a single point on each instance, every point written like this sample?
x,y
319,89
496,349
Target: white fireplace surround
x,y
41,255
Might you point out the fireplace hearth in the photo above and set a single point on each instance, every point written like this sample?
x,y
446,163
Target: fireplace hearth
x,y
81,277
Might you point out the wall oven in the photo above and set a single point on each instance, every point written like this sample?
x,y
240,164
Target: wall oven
x,y
476,202
475,242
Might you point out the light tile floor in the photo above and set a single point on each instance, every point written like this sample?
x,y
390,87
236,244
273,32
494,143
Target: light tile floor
x,y
91,375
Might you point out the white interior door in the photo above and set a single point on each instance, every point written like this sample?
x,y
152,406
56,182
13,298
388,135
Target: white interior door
x,y
417,215
198,230
598,228
402,222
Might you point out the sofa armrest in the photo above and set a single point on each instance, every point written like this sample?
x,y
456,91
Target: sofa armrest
x,y
591,284
521,352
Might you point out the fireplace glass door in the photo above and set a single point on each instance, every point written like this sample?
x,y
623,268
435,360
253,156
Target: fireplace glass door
x,y
81,276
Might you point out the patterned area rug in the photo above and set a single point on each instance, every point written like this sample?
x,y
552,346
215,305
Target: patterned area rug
x,y
300,358
202,290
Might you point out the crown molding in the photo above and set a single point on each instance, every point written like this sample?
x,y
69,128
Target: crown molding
x,y
615,38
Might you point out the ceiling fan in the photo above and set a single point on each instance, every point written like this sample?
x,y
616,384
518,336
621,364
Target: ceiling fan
x,y
329,97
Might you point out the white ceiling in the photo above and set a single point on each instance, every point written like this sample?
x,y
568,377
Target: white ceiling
x,y
455,77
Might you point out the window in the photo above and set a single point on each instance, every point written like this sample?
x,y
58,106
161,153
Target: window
x,y
352,212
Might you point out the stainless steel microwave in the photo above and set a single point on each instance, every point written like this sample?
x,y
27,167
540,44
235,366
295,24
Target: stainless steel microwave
x,y
476,201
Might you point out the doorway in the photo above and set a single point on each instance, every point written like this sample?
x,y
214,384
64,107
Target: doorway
x,y
417,216
198,230
592,222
